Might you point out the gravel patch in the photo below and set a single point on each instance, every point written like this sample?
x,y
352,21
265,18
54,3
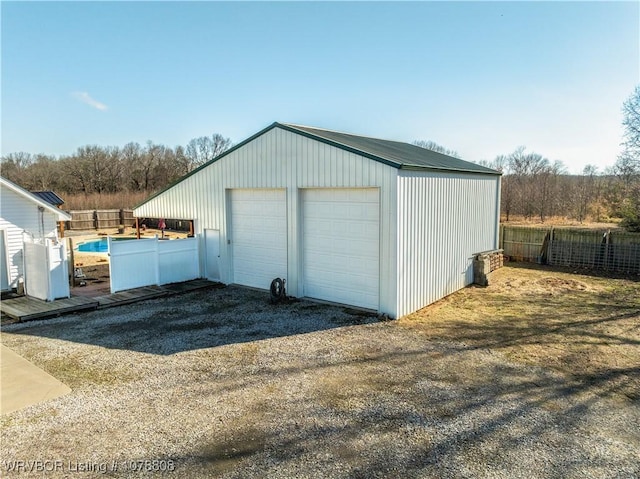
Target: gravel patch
x,y
219,383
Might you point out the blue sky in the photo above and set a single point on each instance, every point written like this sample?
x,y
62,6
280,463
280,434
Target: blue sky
x,y
478,77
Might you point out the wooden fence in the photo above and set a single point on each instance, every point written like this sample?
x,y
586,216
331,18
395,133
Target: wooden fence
x,y
95,219
598,249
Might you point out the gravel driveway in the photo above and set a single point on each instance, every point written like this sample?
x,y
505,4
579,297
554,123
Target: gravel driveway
x,y
219,383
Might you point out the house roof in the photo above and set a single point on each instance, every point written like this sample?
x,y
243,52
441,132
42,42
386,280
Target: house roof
x,y
62,216
49,197
393,153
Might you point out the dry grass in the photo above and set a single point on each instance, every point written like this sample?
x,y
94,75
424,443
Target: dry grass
x,y
96,201
588,327
561,221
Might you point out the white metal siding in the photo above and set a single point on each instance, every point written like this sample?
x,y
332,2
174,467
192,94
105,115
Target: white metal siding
x,y
442,220
282,159
18,214
258,236
340,244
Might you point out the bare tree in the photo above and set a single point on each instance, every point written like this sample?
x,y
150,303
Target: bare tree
x,y
205,148
631,123
42,173
433,146
14,165
628,165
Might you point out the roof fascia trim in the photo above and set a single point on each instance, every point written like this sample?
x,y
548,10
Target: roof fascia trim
x,y
62,215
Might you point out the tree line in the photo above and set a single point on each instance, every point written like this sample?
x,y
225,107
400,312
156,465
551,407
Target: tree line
x,y
533,187
94,169
536,188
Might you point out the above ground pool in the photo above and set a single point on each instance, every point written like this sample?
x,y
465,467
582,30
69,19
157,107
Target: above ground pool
x,y
98,245
94,246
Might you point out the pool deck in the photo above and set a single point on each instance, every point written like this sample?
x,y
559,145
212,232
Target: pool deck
x,y
25,308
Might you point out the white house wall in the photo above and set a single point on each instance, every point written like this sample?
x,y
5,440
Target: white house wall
x,y
281,159
442,220
18,214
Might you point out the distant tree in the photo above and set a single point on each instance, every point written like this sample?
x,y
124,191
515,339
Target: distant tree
x,y
42,174
182,161
205,148
433,146
585,192
14,165
531,184
631,124
628,165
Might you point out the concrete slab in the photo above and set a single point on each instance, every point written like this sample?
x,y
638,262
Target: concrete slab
x,y
23,384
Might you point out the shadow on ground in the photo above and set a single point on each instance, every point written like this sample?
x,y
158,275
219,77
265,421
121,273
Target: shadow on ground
x,y
196,320
532,377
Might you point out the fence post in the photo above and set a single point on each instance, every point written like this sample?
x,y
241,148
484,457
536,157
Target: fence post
x,y
71,259
607,249
550,247
157,260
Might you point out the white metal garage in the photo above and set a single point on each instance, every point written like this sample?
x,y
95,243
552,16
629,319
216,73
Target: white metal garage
x,y
341,245
352,219
258,236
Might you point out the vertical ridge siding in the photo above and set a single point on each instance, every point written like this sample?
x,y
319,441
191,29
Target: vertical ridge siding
x,y
282,159
442,220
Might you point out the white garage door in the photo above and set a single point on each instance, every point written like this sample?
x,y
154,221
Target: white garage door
x,y
341,245
258,236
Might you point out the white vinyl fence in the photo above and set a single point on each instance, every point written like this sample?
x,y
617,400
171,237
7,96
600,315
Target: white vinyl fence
x,y
151,261
46,273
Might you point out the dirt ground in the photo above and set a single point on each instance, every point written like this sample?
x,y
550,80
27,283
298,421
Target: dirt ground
x,y
535,376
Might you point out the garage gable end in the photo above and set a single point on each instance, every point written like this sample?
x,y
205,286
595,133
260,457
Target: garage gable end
x,y
395,154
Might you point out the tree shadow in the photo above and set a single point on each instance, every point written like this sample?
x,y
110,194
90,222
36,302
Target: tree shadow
x,y
396,403
423,424
195,320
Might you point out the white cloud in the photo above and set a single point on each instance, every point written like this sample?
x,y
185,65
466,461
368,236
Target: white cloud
x,y
84,97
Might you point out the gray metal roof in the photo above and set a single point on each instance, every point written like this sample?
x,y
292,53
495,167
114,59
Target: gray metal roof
x,y
394,153
50,197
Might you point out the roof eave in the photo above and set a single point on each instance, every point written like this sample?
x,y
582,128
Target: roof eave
x,y
62,216
448,170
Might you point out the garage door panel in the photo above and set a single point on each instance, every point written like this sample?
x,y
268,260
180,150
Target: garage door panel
x,y
258,236
341,245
